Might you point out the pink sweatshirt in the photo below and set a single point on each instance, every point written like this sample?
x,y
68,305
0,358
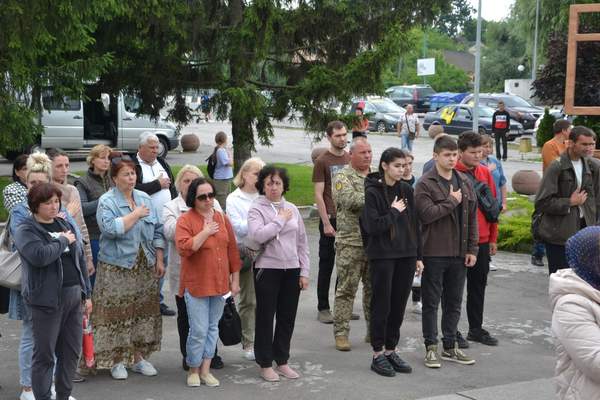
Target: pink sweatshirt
x,y
286,242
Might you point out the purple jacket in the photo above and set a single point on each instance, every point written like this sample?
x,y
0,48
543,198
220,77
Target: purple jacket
x,y
285,241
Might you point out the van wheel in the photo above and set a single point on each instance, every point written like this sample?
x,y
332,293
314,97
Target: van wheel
x,y
163,147
381,127
482,130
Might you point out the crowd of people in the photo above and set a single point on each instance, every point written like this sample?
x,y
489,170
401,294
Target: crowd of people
x,y
104,246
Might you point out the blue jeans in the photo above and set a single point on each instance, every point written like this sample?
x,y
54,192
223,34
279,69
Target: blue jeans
x,y
95,246
26,347
538,250
204,314
161,282
405,142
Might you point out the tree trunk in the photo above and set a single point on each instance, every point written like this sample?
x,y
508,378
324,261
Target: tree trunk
x,y
243,138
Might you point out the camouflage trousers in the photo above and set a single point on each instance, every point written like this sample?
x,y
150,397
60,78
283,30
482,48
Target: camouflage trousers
x,y
351,265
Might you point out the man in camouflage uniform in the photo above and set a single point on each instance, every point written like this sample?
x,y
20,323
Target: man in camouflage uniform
x,y
348,190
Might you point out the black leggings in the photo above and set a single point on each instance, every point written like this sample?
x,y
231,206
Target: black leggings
x,y
391,282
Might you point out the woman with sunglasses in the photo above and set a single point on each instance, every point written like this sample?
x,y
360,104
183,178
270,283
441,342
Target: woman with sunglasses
x,y
210,265
127,321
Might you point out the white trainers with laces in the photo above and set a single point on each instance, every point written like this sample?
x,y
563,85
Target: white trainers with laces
x,y
493,267
27,395
118,371
145,368
417,307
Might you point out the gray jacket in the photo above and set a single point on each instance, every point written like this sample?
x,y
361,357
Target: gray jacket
x,y
42,273
559,219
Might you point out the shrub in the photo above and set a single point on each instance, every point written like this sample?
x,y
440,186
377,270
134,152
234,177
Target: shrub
x,y
545,130
514,229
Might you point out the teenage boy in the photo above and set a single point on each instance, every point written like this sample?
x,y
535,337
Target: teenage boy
x,y
447,207
569,196
325,168
470,150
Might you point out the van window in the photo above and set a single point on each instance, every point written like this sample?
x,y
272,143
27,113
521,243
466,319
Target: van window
x,y
132,103
52,102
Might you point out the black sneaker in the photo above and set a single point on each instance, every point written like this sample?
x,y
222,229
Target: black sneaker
x,y
398,364
462,343
482,337
166,311
217,363
184,365
537,261
382,366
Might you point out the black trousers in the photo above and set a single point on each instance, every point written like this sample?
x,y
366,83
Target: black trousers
x,y
476,283
557,259
57,332
183,324
326,263
391,281
277,295
501,140
443,280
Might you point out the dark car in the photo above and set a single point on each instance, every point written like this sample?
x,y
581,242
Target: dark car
x,y
417,95
383,113
457,118
519,109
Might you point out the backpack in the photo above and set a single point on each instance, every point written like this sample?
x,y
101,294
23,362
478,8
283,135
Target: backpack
x,y
486,202
211,164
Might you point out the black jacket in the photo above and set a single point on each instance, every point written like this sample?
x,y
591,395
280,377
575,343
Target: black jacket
x,y
387,232
154,186
42,271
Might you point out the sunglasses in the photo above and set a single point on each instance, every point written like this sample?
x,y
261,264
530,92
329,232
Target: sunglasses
x,y
117,160
206,196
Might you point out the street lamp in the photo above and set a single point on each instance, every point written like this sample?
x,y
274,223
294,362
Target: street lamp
x,y
477,72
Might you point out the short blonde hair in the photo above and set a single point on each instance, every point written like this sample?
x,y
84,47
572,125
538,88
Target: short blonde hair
x,y
187,168
246,166
39,163
96,152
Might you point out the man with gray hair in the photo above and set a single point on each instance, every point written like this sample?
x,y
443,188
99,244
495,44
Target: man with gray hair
x,y
155,178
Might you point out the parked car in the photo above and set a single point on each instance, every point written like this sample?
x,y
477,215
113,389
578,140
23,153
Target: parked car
x,y
442,99
457,118
383,113
99,118
417,95
557,114
519,109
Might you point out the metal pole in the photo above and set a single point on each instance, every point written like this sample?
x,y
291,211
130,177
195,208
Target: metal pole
x,y
477,72
535,41
424,52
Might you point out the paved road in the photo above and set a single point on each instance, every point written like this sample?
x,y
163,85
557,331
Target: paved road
x,y
519,368
291,144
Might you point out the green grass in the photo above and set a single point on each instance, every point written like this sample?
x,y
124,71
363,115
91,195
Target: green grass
x,y
514,229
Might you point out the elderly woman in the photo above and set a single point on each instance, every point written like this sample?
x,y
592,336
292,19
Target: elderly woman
x,y
39,168
210,265
91,186
70,198
127,322
575,300
238,204
55,282
171,213
16,192
280,271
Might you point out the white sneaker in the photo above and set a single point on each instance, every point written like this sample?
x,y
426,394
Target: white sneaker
x,y
145,368
118,371
249,355
493,267
27,395
417,307
53,392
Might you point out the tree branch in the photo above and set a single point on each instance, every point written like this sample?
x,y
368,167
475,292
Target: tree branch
x,y
268,85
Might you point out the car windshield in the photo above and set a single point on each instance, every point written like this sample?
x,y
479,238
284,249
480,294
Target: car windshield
x,y
486,111
424,92
516,101
387,106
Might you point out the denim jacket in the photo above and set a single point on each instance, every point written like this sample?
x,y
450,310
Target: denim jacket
x,y
118,247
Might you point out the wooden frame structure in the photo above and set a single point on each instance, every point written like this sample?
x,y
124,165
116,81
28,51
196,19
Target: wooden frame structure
x,y
574,38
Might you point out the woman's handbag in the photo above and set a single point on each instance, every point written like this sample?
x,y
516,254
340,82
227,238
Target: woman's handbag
x,y
10,262
230,325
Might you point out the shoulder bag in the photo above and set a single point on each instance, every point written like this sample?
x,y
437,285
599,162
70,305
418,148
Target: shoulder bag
x,y
10,262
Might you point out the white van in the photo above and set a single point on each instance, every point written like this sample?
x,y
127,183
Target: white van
x,y
75,124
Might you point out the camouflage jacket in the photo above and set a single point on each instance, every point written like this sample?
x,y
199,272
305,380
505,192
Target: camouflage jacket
x,y
348,192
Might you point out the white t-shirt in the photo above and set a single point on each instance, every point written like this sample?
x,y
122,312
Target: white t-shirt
x,y
409,122
151,172
578,167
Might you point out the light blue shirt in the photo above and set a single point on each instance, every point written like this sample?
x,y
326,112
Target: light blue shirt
x,y
222,169
497,175
118,247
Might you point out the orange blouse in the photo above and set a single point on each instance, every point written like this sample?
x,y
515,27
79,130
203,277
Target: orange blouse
x,y
205,272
